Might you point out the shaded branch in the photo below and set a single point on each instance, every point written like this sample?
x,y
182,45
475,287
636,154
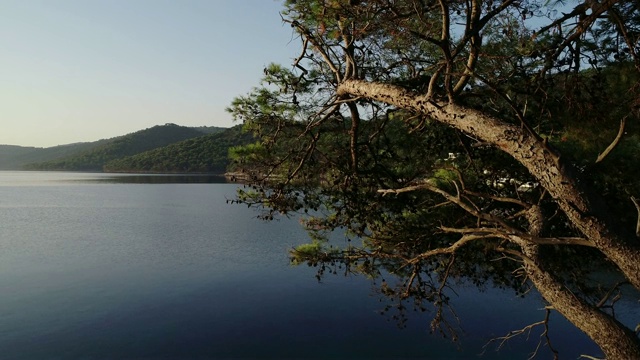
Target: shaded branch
x,y
498,233
450,249
583,25
471,209
607,296
560,241
320,48
499,198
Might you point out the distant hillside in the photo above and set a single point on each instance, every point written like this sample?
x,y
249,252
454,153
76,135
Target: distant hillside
x,y
10,156
16,157
95,157
204,154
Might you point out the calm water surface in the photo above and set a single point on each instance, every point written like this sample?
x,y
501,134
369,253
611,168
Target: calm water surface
x,y
120,266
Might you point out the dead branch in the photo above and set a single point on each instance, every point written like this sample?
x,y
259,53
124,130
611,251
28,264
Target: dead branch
x,y
635,202
317,46
527,331
613,144
607,296
439,321
296,62
546,335
414,274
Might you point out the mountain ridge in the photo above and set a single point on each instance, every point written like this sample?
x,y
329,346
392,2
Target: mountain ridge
x,y
93,156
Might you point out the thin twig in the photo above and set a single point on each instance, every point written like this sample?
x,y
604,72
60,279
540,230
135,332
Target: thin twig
x,y
635,202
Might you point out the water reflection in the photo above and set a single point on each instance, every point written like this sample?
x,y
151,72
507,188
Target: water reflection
x,y
49,178
172,271
158,179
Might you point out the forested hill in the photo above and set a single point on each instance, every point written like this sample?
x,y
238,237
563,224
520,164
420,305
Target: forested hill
x,y
204,154
95,157
16,157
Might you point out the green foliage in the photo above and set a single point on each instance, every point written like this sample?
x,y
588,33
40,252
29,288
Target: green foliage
x,y
245,153
203,154
94,158
303,253
17,157
444,177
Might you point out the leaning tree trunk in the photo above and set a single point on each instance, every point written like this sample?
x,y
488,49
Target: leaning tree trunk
x,y
583,208
614,339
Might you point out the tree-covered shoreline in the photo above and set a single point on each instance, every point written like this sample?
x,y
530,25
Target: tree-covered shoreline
x,y
165,148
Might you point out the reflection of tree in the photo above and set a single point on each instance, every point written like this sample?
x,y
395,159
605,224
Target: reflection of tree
x,y
358,136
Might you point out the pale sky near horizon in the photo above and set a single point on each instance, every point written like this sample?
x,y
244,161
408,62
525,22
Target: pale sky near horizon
x,y
84,70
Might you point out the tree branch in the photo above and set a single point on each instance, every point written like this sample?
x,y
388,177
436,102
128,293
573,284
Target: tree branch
x,y
560,241
450,249
527,330
584,208
614,143
607,296
498,233
500,199
635,202
304,32
597,9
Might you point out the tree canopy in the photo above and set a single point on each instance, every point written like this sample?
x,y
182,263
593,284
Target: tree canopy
x,y
492,141
94,156
202,154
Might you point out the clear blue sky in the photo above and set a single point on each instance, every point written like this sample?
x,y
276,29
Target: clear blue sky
x,y
83,70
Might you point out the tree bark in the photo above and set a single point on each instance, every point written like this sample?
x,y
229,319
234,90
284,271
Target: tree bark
x,y
614,339
586,210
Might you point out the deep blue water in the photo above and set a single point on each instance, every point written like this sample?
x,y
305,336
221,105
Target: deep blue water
x,y
115,266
